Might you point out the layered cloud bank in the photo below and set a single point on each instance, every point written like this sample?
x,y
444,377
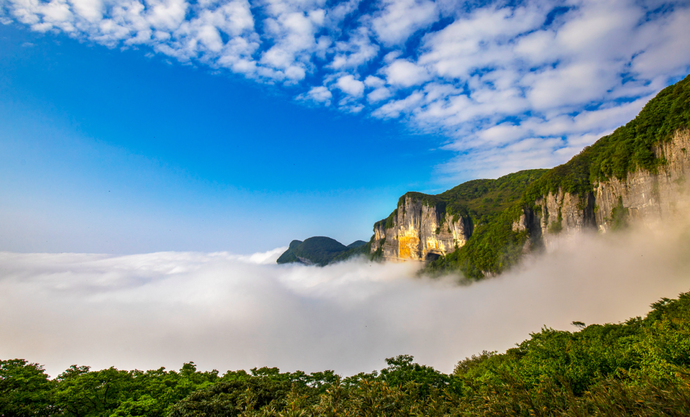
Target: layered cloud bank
x,y
226,311
512,85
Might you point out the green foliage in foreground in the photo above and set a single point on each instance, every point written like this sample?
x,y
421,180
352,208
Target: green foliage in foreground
x,y
639,368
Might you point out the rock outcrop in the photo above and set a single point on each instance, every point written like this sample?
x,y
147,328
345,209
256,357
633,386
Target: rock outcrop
x,y
642,197
647,196
426,227
321,251
417,231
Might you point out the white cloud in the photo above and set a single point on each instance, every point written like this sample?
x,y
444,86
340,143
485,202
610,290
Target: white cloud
x,y
227,311
91,10
394,109
487,64
481,39
349,85
319,94
379,94
374,82
166,14
356,51
405,73
569,85
668,50
401,18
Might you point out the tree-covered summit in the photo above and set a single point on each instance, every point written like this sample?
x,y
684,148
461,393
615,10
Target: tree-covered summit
x,y
320,250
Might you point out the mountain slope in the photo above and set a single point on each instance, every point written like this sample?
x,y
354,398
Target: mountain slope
x,y
483,227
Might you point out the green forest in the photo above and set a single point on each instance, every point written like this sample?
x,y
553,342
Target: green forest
x,y
637,368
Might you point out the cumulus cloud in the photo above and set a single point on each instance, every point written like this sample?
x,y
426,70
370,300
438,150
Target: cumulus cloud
x,y
358,50
349,85
461,69
405,73
399,19
319,94
227,311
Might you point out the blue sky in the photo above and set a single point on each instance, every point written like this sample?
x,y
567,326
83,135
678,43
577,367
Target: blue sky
x,y
232,125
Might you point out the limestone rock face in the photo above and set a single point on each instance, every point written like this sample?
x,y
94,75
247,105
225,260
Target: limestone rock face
x,y
646,196
649,197
420,232
563,214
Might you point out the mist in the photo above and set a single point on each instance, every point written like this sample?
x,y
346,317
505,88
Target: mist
x,y
225,311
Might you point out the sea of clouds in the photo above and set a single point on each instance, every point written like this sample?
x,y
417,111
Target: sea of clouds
x,y
228,311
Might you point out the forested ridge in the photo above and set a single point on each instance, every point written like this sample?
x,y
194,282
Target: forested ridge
x,y
494,246
640,367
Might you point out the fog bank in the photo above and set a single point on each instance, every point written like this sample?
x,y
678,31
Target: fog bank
x,y
228,311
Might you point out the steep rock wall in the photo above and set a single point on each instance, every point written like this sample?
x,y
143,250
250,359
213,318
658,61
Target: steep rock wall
x,y
645,196
649,197
420,232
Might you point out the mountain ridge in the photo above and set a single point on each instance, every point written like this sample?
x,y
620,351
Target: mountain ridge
x,y
627,175
485,226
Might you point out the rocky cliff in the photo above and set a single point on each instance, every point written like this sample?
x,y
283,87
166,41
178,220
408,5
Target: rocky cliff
x,y
636,174
643,196
419,231
426,227
649,196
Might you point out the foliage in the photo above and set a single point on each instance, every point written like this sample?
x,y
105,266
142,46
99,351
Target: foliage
x,y
489,205
630,147
322,251
358,248
481,200
619,216
640,367
627,149
493,247
24,389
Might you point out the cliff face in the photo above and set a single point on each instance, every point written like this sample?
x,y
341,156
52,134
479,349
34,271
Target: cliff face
x,y
649,197
643,196
419,232
427,227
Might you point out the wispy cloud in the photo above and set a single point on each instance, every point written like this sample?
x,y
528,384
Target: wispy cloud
x,y
556,74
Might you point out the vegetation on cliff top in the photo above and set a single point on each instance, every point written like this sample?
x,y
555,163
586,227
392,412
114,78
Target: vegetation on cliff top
x,y
479,199
640,367
627,149
492,206
630,147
